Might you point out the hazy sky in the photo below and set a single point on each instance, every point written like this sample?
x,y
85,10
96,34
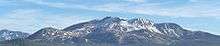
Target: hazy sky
x,y
32,15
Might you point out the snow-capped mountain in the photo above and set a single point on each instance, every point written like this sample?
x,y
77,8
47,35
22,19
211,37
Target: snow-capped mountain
x,y
9,35
113,31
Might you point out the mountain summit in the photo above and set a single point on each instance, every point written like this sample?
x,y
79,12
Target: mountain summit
x,y
114,31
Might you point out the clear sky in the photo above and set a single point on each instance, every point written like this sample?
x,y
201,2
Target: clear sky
x,y
32,15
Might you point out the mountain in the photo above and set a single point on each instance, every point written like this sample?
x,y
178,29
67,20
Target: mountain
x,y
113,31
9,35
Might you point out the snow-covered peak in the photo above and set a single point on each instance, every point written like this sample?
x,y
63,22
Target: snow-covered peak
x,y
143,23
139,20
111,20
44,31
9,35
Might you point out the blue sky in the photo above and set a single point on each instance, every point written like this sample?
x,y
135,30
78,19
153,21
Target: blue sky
x,y
32,15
